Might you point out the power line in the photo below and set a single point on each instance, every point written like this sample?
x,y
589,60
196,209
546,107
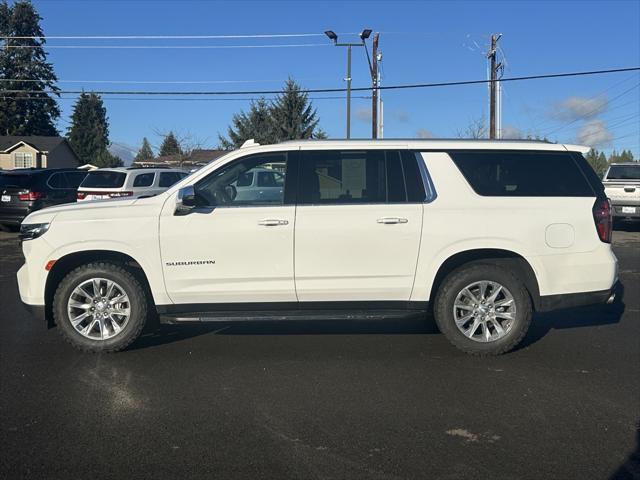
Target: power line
x,y
150,82
337,90
164,47
154,98
590,112
169,37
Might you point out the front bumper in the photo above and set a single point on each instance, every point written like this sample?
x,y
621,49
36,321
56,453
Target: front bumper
x,y
570,300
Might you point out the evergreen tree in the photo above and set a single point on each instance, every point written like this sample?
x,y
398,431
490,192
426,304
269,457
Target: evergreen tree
x,y
320,134
257,123
598,161
145,152
293,115
104,159
170,145
24,66
89,130
622,157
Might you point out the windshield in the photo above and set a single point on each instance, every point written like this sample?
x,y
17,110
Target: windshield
x,y
104,179
12,180
624,172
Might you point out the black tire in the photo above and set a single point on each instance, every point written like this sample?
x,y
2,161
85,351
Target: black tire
x,y
133,288
456,281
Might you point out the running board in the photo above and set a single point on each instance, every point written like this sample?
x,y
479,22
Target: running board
x,y
292,315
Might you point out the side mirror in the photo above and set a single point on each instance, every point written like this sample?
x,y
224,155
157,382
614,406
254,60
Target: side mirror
x,y
186,200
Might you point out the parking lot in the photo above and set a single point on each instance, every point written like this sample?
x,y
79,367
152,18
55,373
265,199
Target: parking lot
x,y
325,400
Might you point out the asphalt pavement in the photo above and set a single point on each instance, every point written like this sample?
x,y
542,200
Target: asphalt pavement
x,y
325,400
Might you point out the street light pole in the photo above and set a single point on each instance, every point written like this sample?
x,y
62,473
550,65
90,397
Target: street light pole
x,y
363,36
349,92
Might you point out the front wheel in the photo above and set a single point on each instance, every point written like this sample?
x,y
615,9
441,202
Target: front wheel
x,y
483,309
100,307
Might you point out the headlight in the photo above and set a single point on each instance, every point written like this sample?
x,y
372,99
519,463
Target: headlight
x,y
33,230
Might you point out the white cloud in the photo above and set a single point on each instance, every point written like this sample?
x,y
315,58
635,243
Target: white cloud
x,y
424,133
594,133
511,132
401,116
574,108
363,114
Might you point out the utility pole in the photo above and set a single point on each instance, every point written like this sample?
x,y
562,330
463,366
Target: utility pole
x,y
348,91
374,80
493,77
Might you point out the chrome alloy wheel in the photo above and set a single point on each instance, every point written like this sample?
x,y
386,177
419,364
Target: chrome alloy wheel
x,y
99,308
484,311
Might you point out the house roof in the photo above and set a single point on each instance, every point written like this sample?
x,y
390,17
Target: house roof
x,y
197,156
40,143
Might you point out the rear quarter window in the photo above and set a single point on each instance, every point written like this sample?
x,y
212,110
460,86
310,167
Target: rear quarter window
x,y
522,173
104,179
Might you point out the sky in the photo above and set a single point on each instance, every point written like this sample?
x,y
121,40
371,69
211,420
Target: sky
x,y
421,42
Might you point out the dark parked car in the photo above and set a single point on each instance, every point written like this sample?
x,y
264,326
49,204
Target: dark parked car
x,y
26,190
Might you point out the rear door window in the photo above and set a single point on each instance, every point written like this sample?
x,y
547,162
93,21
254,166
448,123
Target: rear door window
x,y
522,173
352,177
104,179
169,178
144,180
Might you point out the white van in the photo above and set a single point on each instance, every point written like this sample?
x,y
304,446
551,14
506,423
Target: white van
x,y
105,183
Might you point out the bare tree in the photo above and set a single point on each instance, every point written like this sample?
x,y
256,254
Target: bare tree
x,y
477,128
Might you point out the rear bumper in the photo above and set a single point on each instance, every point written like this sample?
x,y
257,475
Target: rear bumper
x,y
13,218
570,300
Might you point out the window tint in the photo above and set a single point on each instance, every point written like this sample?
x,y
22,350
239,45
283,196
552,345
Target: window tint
x,y
245,180
104,179
522,174
57,180
230,185
13,180
143,180
270,179
74,179
169,178
413,178
350,176
624,172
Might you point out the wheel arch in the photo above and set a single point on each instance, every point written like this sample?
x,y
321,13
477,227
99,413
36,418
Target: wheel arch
x,y
493,256
68,262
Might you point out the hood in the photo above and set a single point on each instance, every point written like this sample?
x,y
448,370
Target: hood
x,y
90,210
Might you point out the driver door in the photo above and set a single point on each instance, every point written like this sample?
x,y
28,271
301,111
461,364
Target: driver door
x,y
236,245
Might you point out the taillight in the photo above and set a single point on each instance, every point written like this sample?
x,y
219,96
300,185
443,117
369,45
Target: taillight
x,y
81,195
30,196
602,219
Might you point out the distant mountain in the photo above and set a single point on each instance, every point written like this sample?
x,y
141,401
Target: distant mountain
x,y
124,151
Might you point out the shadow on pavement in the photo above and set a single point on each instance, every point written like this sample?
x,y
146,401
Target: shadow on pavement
x,y
630,470
588,316
171,333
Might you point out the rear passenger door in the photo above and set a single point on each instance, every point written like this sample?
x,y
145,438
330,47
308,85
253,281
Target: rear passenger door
x,y
358,225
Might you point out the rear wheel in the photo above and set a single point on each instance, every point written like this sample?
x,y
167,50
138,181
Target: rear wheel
x,y
100,307
483,309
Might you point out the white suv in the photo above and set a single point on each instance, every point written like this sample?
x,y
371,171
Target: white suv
x,y
105,183
481,232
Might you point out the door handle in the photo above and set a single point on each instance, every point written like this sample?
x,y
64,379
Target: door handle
x,y
273,222
392,220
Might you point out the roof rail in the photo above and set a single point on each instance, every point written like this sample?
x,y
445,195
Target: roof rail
x,y
506,140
